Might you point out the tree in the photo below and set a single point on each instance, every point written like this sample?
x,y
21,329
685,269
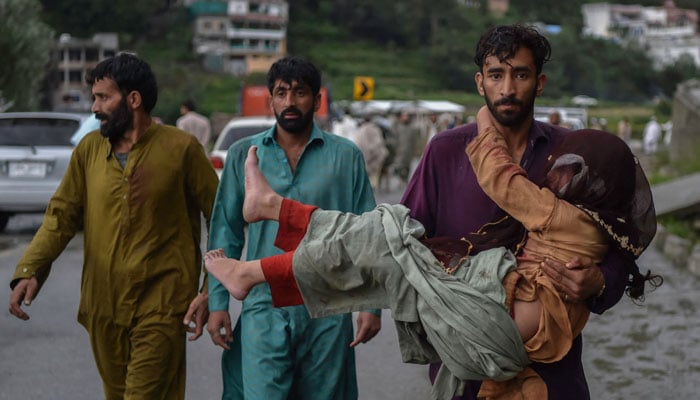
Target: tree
x,y
82,18
681,70
25,44
598,68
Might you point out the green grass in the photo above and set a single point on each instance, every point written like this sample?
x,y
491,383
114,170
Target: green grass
x,y
398,74
679,227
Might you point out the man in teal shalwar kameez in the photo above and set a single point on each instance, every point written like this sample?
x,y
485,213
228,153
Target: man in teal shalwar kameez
x,y
283,353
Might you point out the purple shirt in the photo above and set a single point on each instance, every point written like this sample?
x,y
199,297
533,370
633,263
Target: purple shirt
x,y
445,196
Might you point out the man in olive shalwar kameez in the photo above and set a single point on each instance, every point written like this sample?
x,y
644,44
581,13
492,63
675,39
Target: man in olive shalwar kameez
x,y
140,189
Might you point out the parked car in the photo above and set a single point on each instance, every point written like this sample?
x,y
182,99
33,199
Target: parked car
x,y
35,148
88,125
234,130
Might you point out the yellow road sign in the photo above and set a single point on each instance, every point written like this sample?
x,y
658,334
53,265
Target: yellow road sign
x,y
363,88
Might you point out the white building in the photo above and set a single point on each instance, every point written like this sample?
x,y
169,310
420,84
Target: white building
x,y
667,33
240,36
71,58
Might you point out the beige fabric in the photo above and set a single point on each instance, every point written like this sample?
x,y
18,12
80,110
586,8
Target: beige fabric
x,y
528,385
370,140
557,230
197,125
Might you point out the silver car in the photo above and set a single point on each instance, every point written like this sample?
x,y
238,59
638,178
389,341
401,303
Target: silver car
x,y
35,148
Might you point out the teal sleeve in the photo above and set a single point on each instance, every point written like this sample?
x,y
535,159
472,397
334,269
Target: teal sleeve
x,y
227,225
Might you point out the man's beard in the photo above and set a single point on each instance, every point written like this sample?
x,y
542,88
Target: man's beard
x,y
117,123
296,125
512,119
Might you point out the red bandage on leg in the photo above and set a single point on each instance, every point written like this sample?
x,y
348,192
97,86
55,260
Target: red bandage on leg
x,y
280,276
293,221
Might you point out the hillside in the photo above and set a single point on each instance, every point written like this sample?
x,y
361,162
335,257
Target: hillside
x,y
401,73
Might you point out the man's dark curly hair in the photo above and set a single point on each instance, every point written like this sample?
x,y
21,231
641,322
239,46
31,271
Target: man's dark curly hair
x,y
505,40
293,68
130,73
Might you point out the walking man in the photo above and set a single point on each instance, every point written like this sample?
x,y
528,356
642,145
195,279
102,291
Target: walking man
x,y
445,196
282,353
139,189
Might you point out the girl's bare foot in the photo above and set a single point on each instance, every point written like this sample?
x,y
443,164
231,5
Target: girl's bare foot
x,y
229,272
261,202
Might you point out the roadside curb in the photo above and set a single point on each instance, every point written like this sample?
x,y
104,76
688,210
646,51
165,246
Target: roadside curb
x,y
680,251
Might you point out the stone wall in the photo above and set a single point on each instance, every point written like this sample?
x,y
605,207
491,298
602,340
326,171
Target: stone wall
x,y
682,252
685,140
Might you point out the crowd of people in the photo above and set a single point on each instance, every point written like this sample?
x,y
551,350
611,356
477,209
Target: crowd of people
x,y
391,142
571,228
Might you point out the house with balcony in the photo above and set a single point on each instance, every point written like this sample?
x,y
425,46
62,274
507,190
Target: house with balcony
x,y
667,33
71,58
240,37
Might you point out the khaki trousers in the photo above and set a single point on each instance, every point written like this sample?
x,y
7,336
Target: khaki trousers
x,y
145,361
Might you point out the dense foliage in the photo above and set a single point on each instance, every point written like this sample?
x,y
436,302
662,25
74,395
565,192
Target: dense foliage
x,y
24,44
414,48
445,32
82,18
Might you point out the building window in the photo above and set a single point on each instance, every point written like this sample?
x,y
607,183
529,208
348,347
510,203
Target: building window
x,y
74,54
108,53
92,54
75,76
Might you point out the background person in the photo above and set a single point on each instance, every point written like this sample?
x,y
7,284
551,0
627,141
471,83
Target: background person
x,y
370,140
284,353
140,189
407,137
651,136
195,123
555,117
624,129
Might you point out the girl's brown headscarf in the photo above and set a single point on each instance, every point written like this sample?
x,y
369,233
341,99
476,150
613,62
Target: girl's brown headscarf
x,y
609,185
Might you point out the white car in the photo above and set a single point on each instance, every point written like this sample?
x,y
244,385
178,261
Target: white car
x,y
234,130
35,148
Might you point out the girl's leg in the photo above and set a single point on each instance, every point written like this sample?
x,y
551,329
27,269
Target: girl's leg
x,y
238,277
294,218
526,314
263,203
279,274
527,317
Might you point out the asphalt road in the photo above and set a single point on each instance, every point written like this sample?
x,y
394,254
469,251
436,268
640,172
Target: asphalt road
x,y
49,358
650,351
